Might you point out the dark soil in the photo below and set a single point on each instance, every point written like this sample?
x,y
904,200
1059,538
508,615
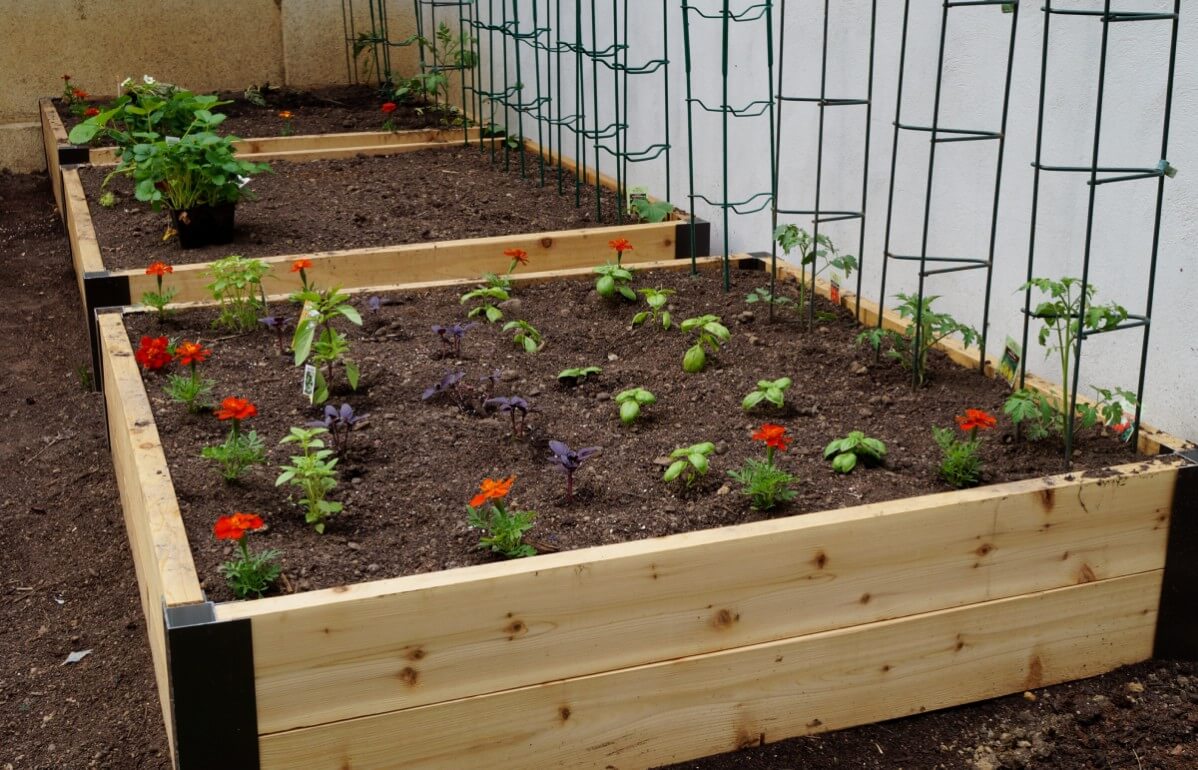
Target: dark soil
x,y
432,195
331,110
406,482
103,712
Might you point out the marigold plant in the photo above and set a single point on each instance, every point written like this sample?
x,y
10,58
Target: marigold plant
x,y
162,297
240,450
192,389
503,531
153,353
764,482
960,465
249,573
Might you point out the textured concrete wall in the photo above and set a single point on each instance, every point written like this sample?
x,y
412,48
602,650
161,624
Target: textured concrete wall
x,y
203,44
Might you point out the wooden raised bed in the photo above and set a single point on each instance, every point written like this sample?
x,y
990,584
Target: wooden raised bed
x,y
359,268
660,650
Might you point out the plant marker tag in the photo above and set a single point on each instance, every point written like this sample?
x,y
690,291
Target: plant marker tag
x,y
636,194
172,140
242,181
1008,366
834,294
309,383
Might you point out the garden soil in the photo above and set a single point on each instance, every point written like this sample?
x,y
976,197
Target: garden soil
x,y
436,194
68,585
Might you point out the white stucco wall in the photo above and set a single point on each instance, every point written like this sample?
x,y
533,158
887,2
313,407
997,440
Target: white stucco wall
x,y
963,191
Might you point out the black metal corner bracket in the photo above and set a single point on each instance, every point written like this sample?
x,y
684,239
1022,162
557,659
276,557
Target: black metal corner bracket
x,y
101,290
695,228
214,709
1177,619
73,155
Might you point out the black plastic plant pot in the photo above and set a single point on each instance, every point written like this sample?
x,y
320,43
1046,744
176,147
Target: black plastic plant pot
x,y
204,225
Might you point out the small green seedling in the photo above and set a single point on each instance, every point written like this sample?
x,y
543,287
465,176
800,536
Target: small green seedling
x,y
652,211
846,452
630,402
575,376
657,299
614,279
526,336
710,332
490,296
690,463
107,199
770,391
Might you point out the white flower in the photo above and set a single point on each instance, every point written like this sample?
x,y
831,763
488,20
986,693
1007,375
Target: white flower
x,y
148,80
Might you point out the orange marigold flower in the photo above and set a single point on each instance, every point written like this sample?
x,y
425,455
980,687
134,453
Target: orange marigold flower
x,y
78,93
159,269
773,436
301,264
233,408
285,114
189,353
517,255
389,107
91,112
152,353
492,489
234,527
975,419
620,244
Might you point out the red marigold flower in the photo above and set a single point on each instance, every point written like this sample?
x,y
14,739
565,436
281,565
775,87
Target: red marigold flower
x,y
389,107
189,353
66,77
285,114
620,244
517,255
78,93
159,269
91,112
301,264
152,353
492,489
773,436
233,408
234,527
976,419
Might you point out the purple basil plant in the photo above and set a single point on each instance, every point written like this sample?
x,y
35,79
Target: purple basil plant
x,y
340,423
570,461
448,385
451,338
280,325
515,406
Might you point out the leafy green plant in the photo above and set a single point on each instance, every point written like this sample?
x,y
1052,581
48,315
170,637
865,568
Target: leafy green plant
x,y
200,168
148,107
764,295
190,390
652,211
630,402
658,300
315,474
1039,415
960,464
709,332
526,336
503,530
240,450
576,375
236,286
925,331
448,51
764,482
330,347
768,391
815,254
490,296
250,573
690,463
846,452
107,199
614,278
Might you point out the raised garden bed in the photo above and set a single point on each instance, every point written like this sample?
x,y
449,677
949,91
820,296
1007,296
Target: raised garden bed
x,y
429,234
654,650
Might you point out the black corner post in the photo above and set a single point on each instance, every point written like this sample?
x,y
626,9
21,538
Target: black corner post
x,y
101,291
1177,618
213,705
700,230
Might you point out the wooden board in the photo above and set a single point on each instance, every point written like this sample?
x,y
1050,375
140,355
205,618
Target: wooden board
x,y
166,575
680,709
85,249
53,135
374,647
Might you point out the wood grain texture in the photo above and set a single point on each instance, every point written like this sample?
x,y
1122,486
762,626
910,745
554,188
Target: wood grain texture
x,y
381,646
166,575
53,135
85,249
681,709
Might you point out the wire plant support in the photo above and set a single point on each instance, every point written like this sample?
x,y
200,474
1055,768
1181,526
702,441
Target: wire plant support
x,y
1102,175
938,134
760,12
822,101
